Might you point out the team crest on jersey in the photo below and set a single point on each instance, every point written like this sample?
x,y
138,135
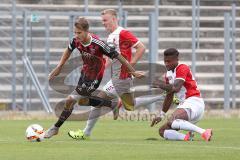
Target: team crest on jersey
x,y
85,54
114,42
92,49
170,79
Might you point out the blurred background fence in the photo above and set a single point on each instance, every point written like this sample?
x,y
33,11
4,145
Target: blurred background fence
x,y
206,32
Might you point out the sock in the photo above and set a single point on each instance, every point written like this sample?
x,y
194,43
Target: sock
x,y
145,100
96,101
92,120
187,126
63,117
173,135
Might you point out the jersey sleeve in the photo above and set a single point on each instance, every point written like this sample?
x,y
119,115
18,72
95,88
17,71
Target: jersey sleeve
x,y
127,36
108,50
72,44
182,71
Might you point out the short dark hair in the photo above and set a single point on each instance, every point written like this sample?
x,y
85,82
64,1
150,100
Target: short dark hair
x,y
82,23
171,52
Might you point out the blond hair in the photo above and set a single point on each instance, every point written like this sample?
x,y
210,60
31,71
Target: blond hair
x,y
112,12
82,23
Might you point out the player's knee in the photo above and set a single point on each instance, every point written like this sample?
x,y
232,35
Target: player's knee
x,y
161,131
69,103
169,123
70,98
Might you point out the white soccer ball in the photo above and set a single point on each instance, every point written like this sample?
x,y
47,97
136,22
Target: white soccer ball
x,y
35,133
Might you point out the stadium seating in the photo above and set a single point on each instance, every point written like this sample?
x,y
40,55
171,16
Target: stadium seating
x,y
174,31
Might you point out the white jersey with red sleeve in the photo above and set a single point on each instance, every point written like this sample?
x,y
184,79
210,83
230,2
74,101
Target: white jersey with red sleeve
x,y
124,42
189,88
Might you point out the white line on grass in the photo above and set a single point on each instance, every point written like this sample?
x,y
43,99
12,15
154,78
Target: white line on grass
x,y
139,144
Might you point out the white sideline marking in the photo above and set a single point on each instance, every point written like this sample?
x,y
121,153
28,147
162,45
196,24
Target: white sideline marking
x,y
134,144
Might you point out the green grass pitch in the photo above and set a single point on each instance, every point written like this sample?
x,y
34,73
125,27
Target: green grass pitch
x,y
119,140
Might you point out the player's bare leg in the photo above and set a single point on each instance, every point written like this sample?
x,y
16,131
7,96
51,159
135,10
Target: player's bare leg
x,y
167,132
127,100
92,119
63,117
115,110
94,115
179,121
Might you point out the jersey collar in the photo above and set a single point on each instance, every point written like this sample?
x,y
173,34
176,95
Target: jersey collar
x,y
85,45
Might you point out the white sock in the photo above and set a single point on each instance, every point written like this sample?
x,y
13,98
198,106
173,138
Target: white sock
x,y
173,135
187,126
92,120
145,100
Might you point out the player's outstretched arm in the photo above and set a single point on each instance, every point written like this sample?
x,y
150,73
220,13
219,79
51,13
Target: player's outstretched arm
x,y
137,74
166,105
110,51
56,71
140,49
178,83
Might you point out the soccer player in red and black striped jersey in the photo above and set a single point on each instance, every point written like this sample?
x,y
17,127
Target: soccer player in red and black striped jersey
x,y
91,50
119,87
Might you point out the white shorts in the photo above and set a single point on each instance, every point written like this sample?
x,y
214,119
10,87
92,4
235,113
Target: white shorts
x,y
115,88
194,107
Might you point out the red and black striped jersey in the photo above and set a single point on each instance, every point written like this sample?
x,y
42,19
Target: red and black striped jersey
x,y
92,56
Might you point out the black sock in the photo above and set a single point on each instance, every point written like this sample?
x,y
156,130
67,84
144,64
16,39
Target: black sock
x,y
63,117
96,101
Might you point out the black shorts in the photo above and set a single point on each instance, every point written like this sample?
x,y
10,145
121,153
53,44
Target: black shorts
x,y
85,86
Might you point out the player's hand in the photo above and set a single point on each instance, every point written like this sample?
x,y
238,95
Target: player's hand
x,y
138,74
156,121
56,71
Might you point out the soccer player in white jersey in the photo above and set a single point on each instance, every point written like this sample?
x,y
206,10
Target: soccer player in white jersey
x,y
180,81
121,82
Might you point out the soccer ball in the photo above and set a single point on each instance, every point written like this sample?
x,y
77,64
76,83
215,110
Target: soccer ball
x,y
35,133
